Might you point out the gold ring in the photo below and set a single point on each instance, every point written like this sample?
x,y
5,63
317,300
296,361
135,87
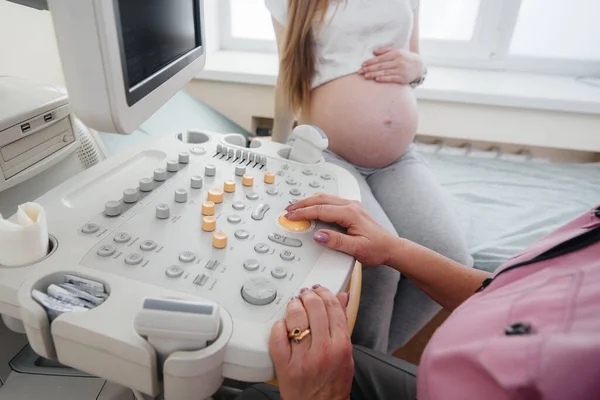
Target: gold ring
x,y
297,335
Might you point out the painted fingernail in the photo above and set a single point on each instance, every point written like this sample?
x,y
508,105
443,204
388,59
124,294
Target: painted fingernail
x,y
321,237
289,214
361,71
303,290
316,286
288,207
294,298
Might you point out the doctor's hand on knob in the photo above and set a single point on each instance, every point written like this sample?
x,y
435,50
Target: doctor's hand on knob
x,y
364,239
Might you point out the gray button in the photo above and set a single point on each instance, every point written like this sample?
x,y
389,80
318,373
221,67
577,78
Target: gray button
x,y
294,201
234,219
252,196
131,195
134,259
174,271
292,182
196,182
212,265
278,273
198,150
307,172
181,196
314,184
272,191
326,176
260,211
242,234
284,240
187,257
163,211
240,170
238,205
146,185
184,157
259,291
106,251
160,174
210,170
90,228
285,167
112,208
172,166
201,280
287,255
251,265
148,245
261,248
295,192
122,237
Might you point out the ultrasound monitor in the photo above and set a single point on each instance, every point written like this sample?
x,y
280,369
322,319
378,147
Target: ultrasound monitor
x,y
123,59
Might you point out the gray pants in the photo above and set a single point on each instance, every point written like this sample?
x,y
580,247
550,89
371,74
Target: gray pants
x,y
405,199
376,376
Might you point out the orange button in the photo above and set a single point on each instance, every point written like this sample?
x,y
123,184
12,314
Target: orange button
x,y
215,195
296,226
209,224
208,208
269,177
229,186
219,240
248,180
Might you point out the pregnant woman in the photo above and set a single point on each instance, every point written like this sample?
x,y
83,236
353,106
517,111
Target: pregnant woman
x,y
350,68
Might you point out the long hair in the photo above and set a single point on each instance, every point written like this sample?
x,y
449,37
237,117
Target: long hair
x,y
298,59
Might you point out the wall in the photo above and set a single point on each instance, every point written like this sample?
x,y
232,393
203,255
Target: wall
x,y
27,44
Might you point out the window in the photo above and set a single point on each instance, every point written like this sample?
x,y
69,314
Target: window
x,y
549,36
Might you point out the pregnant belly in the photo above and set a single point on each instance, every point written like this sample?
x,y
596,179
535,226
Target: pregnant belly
x,y
369,124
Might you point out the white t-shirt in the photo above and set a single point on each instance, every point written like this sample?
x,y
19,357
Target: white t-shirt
x,y
352,30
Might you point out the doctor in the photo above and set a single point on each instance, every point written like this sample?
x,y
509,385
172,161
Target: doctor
x,y
529,331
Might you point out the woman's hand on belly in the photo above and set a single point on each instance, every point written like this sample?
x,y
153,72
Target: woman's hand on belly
x,y
394,66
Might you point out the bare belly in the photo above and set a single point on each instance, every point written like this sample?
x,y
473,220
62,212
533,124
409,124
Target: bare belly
x,y
369,124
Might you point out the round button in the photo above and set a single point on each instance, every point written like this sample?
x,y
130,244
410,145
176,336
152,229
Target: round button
x,y
122,237
146,185
242,234
131,195
229,186
210,170
278,273
248,180
208,208
209,224
269,177
307,172
259,291
295,226
261,248
251,265
112,208
238,205
184,157
215,195
219,240
90,228
234,219
294,201
252,196
148,245
160,174
172,166
314,184
295,192
163,211
272,191
292,182
196,182
187,257
326,176
174,271
181,196
287,255
198,150
134,259
106,251
240,170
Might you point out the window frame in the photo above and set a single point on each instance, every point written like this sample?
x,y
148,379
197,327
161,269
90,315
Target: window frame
x,y
489,48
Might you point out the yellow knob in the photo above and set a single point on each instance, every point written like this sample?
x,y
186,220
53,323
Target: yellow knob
x,y
269,177
219,240
296,226
215,195
229,186
209,223
208,208
248,180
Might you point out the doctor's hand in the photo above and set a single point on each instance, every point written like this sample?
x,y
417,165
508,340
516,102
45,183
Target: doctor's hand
x,y
393,65
364,239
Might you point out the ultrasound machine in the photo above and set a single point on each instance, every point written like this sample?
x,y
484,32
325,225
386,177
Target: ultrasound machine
x,y
166,265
